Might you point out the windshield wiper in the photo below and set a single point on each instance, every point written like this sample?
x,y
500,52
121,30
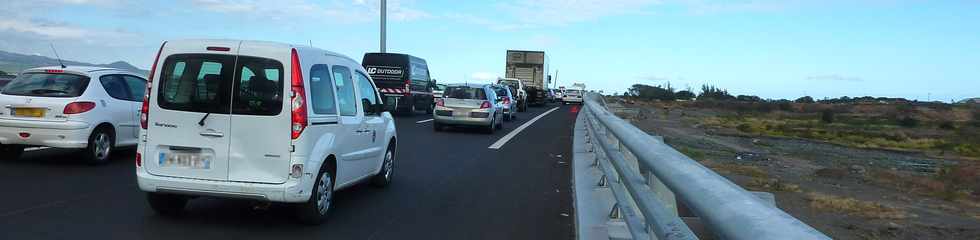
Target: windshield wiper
x,y
41,91
203,118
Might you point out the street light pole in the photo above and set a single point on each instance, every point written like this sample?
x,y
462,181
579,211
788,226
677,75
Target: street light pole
x,y
384,30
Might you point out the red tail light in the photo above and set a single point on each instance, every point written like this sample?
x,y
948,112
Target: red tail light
x,y
408,88
486,104
78,107
298,100
440,102
145,109
506,100
139,160
54,71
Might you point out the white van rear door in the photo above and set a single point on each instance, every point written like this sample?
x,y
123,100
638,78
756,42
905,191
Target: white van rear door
x,y
261,115
189,124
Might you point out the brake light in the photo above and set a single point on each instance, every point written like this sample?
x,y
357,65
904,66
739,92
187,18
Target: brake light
x,y
78,107
54,71
139,159
145,109
408,88
486,104
440,102
298,100
506,100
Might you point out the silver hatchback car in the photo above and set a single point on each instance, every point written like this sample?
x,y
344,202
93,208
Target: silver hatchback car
x,y
505,98
468,105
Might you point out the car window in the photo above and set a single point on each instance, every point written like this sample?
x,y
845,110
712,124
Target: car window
x,y
137,87
345,90
115,86
47,85
464,92
196,83
369,96
259,87
322,90
500,91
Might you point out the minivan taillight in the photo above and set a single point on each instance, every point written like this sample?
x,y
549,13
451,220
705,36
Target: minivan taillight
x,y
298,99
486,104
440,102
145,109
506,100
78,107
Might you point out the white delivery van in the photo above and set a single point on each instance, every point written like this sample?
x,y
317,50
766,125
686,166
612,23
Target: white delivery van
x,y
260,120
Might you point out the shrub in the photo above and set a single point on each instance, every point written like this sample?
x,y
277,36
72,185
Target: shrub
x,y
827,115
806,99
853,206
947,125
745,127
908,121
785,106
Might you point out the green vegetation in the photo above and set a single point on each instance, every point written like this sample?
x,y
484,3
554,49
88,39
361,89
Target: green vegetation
x,y
853,131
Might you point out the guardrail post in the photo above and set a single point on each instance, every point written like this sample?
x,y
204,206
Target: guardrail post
x,y
616,212
603,181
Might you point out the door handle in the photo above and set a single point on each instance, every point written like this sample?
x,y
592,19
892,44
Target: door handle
x,y
363,131
212,134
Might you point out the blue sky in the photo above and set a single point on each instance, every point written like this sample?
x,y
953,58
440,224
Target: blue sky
x,y
771,48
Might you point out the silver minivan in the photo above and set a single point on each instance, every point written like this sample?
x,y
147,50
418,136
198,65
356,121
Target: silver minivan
x,y
468,105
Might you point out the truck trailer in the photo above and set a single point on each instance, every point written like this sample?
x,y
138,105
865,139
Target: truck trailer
x,y
531,67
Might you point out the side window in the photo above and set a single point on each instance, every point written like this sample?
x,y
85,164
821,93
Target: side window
x,y
137,86
259,87
369,96
345,90
115,86
321,90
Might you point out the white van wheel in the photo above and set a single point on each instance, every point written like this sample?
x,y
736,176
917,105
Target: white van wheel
x,y
315,210
383,178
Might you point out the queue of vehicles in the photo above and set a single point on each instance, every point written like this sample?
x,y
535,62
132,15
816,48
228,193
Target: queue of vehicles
x,y
249,119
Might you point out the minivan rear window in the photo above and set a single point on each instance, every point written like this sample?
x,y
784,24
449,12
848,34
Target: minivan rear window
x,y
459,92
204,83
47,85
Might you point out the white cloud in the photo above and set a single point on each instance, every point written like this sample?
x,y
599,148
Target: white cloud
x,y
333,10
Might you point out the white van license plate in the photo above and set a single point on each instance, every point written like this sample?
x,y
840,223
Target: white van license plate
x,y
185,160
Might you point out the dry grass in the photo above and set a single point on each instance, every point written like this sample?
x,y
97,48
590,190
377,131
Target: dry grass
x,y
773,184
855,207
958,184
744,170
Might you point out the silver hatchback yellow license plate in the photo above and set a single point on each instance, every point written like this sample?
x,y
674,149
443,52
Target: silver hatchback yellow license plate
x,y
191,160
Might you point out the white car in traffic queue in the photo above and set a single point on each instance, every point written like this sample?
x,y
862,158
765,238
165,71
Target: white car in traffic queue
x,y
260,120
92,109
573,96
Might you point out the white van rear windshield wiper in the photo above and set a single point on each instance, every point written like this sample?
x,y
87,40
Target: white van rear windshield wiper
x,y
203,118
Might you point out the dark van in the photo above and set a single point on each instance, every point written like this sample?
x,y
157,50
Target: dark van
x,y
402,79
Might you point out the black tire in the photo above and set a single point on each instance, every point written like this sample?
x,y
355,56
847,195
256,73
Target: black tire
x,y
490,128
383,177
101,144
500,124
166,204
11,152
316,210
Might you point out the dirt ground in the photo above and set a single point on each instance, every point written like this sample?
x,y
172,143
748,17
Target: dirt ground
x,y
830,187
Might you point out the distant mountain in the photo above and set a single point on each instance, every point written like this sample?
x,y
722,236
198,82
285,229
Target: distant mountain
x,y
15,62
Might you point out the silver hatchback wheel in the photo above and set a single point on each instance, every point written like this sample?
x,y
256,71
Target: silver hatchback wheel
x,y
102,146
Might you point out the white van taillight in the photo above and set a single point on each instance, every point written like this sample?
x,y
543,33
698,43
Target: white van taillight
x,y
78,107
298,98
139,159
145,109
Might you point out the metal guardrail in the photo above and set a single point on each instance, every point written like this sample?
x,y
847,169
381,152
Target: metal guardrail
x,y
645,173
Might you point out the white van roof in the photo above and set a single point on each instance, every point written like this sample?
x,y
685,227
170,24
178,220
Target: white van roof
x,y
298,47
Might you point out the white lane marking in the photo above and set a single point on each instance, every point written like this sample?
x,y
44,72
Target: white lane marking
x,y
424,121
503,140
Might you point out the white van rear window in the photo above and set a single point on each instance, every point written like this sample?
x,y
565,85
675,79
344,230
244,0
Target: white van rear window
x,y
204,83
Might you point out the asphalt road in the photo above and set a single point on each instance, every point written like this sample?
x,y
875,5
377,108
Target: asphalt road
x,y
447,185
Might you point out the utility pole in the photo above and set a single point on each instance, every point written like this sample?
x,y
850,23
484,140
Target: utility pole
x,y
384,30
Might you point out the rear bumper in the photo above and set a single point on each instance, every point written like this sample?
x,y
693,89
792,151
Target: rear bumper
x,y
292,191
574,100
461,120
67,134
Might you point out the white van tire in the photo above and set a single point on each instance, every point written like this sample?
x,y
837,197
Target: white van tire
x,y
101,144
316,210
383,177
166,204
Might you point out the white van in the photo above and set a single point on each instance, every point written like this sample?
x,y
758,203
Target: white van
x,y
223,118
